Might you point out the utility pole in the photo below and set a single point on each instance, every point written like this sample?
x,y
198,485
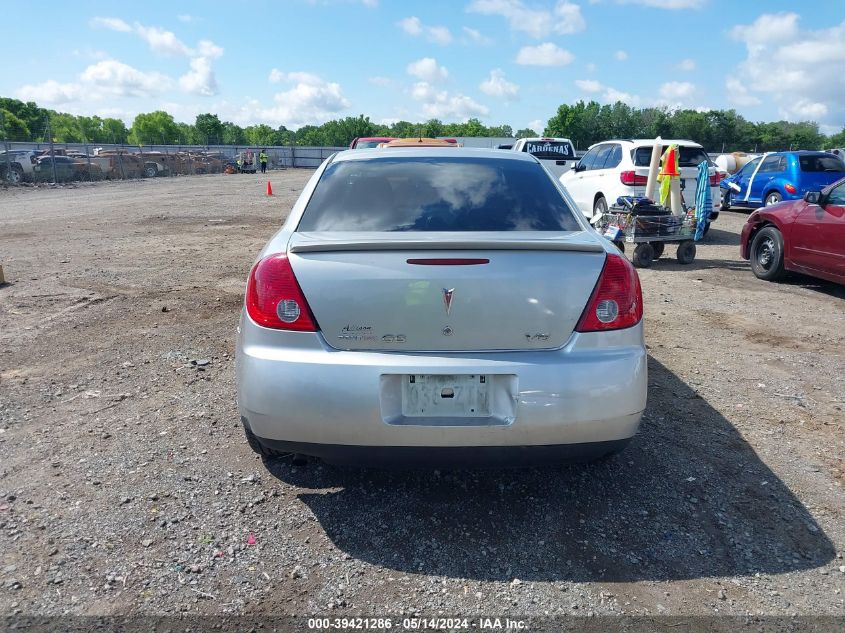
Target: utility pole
x,y
52,154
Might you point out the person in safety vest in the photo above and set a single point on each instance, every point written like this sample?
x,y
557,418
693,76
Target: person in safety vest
x,y
262,157
240,164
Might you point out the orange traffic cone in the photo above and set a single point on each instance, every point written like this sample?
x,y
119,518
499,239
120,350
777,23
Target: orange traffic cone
x,y
269,189
670,163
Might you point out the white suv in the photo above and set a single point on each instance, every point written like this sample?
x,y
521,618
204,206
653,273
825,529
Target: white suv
x,y
556,154
611,169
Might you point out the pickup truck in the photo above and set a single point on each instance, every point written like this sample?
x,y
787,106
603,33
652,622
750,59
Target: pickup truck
x,y
557,154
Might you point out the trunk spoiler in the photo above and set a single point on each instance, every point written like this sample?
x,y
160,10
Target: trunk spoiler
x,y
325,242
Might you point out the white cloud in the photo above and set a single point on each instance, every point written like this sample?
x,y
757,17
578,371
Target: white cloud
x,y
739,95
538,125
50,92
607,94
799,70
311,100
687,65
116,78
497,86
546,54
620,55
161,41
413,26
473,36
441,105
667,4
207,48
589,85
276,76
115,24
427,69
564,19
677,90
186,18
200,80
380,81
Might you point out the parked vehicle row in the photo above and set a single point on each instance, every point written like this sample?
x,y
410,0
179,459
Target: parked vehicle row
x,y
38,165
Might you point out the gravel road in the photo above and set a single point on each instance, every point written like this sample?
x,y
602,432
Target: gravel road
x,y
126,486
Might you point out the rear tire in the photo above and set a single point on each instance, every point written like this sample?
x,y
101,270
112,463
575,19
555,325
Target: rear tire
x,y
151,172
265,451
643,255
767,254
599,206
773,197
686,252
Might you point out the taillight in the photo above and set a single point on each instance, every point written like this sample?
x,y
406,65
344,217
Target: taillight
x,y
716,178
790,187
617,300
631,178
274,298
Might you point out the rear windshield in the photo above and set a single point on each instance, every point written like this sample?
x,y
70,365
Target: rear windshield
x,y
690,156
549,149
436,194
367,144
821,163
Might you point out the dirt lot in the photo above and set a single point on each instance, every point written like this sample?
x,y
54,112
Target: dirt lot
x,y
126,485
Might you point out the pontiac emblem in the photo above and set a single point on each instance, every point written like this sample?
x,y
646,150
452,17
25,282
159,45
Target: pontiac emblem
x,y
447,299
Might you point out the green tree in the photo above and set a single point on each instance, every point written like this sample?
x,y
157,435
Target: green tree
x,y
836,140
525,132
209,129
154,128
12,127
259,134
114,131
233,134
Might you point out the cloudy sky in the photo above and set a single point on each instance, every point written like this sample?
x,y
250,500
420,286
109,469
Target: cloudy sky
x,y
295,62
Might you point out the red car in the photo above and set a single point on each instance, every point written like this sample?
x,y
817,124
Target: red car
x,y
368,142
805,236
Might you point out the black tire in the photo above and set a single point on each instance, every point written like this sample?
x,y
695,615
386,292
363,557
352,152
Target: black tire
x,y
265,451
14,176
599,206
151,171
766,254
643,255
686,252
773,197
726,201
658,248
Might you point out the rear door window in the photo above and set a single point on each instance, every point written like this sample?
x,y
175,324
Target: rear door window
x,y
603,157
437,194
773,164
817,163
589,158
689,156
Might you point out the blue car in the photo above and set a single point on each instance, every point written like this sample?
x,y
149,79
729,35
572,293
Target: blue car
x,y
777,176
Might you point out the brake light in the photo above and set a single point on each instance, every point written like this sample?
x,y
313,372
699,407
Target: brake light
x,y
617,300
631,178
274,298
461,261
790,187
716,178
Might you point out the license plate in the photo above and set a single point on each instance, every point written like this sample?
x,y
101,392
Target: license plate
x,y
461,396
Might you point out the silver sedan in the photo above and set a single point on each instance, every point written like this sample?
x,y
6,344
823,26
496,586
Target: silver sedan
x,y
440,306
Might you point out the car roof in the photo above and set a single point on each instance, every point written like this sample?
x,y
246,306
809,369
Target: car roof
x,y
431,152
544,138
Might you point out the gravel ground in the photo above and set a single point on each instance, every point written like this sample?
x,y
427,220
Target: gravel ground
x,y
126,486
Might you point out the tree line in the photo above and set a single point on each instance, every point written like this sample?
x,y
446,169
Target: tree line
x,y
584,123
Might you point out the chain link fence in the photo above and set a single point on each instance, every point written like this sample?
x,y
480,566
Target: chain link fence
x,y
30,162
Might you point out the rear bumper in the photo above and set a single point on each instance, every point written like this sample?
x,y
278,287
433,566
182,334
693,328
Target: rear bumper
x,y
449,456
294,388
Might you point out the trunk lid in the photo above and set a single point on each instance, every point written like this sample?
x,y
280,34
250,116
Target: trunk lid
x,y
511,291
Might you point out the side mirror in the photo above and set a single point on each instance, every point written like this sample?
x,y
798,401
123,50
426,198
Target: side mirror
x,y
813,197
578,167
